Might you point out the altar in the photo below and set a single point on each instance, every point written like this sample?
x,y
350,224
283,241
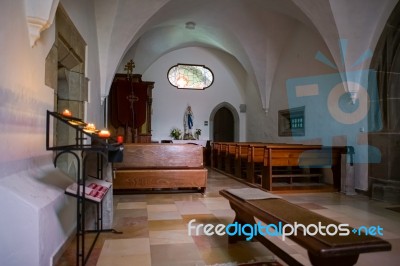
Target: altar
x,y
194,141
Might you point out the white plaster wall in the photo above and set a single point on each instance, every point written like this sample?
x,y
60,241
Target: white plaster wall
x,y
169,103
37,217
298,61
14,232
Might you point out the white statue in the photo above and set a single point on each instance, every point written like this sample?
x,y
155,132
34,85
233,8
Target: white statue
x,y
188,123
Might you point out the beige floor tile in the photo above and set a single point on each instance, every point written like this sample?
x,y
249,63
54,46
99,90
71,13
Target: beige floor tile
x,y
131,205
232,253
191,207
133,213
198,221
169,237
164,216
129,197
215,203
204,242
224,216
162,208
154,228
162,225
125,252
175,255
390,258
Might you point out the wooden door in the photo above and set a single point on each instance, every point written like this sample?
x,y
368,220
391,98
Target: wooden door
x,y
224,125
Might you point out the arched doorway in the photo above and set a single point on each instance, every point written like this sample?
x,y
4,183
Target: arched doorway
x,y
224,123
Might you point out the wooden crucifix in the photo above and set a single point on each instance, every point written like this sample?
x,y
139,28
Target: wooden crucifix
x,y
131,98
129,68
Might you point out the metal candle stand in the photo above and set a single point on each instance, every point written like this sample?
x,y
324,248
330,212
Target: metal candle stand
x,y
104,149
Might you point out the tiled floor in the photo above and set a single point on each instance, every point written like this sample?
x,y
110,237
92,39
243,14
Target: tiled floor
x,y
155,230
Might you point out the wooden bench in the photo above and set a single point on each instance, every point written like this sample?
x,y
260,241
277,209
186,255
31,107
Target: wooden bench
x,y
160,166
322,250
300,156
223,155
216,154
235,156
243,157
232,157
293,161
285,156
219,153
250,161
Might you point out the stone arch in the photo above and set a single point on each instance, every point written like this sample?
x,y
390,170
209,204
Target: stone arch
x,y
236,119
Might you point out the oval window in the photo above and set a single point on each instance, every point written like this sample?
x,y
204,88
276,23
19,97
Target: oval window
x,y
195,77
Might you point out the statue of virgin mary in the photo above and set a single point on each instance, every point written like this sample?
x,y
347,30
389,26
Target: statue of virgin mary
x,y
188,123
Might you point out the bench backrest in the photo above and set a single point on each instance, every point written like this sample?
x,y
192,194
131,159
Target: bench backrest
x,y
256,152
164,155
242,149
306,156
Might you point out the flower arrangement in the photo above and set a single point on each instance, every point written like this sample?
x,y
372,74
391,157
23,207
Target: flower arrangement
x,y
175,133
197,133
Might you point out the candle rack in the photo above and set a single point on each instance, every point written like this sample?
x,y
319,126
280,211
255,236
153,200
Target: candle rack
x,y
87,143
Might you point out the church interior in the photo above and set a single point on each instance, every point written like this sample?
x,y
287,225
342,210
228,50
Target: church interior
x,y
132,129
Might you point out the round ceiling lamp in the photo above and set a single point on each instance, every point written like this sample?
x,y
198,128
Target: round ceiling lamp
x,y
190,25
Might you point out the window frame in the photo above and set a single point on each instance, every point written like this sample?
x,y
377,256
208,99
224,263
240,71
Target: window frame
x,y
286,119
192,65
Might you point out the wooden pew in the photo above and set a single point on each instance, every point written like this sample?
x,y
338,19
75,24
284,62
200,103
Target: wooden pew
x,y
225,156
241,157
233,152
223,147
160,166
256,156
220,155
216,154
230,158
322,249
304,156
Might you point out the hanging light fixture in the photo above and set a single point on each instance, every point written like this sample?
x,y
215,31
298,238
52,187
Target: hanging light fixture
x,y
190,25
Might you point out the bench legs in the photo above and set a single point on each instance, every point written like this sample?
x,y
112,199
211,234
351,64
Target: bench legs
x,y
243,217
238,219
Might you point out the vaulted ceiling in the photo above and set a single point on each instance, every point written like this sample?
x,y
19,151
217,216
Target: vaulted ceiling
x,y
255,32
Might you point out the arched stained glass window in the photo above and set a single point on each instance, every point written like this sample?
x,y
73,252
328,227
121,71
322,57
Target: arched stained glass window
x,y
195,77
